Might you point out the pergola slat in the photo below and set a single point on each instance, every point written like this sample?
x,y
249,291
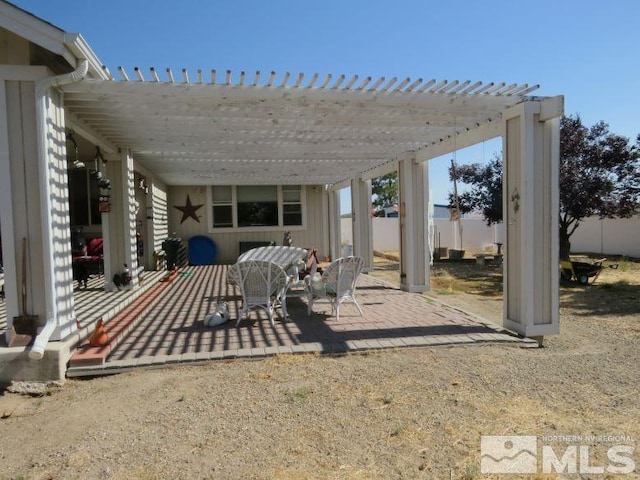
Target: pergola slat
x,y
107,72
338,82
402,84
364,83
426,85
389,84
272,75
326,81
411,87
313,80
437,86
460,87
350,83
377,84
494,89
285,79
123,74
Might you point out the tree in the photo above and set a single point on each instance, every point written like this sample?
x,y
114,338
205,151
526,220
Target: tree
x,y
385,191
486,189
599,176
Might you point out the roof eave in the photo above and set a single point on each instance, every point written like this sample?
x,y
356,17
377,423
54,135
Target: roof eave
x,y
70,46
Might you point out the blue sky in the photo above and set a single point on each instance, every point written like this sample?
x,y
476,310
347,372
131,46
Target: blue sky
x,y
587,50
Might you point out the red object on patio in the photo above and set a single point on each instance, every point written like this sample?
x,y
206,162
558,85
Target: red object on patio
x,y
91,256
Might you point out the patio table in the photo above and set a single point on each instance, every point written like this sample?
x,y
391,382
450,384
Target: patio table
x,y
285,257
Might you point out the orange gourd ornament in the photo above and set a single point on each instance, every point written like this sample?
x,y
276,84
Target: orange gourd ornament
x,y
99,337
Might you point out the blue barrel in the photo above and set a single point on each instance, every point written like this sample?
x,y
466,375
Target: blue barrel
x,y
202,250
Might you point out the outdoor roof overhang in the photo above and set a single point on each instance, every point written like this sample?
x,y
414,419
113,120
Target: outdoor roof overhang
x,y
284,131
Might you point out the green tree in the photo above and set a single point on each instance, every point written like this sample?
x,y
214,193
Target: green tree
x,y
485,194
385,191
599,176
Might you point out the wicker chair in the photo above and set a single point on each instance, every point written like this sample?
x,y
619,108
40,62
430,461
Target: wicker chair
x,y
262,285
337,284
297,286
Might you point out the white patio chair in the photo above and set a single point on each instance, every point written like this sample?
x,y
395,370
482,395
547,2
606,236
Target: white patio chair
x,y
337,284
297,286
262,285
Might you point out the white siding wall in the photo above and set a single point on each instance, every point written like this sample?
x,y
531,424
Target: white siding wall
x,y
228,242
160,222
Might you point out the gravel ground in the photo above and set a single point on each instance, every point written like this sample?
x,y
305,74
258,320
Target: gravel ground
x,y
415,413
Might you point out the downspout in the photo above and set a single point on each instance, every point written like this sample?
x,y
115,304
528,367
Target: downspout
x,y
42,86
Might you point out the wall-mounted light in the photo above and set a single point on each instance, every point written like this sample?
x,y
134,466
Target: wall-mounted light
x,y
103,182
141,183
76,162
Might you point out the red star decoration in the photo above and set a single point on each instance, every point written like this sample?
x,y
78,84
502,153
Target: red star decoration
x,y
189,210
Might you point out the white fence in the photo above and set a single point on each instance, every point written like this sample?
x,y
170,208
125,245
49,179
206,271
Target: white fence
x,y
476,235
607,237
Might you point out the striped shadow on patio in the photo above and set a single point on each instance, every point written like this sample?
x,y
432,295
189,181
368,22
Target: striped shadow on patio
x,y
172,331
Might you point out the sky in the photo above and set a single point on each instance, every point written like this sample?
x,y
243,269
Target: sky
x,y
586,50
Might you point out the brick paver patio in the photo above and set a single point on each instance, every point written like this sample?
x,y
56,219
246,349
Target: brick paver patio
x,y
172,330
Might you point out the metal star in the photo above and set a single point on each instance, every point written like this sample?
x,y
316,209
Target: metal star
x,y
189,210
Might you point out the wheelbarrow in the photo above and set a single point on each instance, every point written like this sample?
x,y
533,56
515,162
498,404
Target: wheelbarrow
x,y
581,272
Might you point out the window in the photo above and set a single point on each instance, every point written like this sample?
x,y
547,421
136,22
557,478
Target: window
x,y
83,198
258,206
222,207
291,205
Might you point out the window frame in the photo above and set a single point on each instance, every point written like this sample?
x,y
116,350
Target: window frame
x,y
231,203
92,198
234,211
283,203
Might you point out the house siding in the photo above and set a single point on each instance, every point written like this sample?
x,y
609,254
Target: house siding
x,y
228,242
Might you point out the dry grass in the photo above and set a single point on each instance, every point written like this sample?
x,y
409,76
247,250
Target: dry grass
x,y
392,414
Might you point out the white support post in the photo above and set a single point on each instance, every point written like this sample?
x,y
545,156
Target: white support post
x,y
129,216
334,223
414,195
119,224
35,206
530,196
362,231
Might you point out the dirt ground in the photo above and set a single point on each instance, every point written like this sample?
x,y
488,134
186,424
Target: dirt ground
x,y
413,413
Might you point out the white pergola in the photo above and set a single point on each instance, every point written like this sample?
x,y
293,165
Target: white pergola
x,y
225,129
